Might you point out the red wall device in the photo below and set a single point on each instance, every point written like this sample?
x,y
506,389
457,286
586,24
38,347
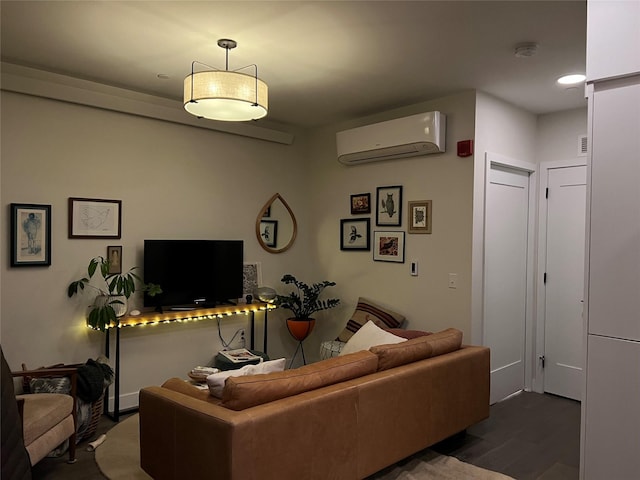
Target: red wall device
x,y
465,148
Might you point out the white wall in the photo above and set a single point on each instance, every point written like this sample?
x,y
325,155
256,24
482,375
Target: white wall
x,y
509,131
446,179
558,135
174,182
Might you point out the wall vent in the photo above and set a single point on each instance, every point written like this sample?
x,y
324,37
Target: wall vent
x,y
582,146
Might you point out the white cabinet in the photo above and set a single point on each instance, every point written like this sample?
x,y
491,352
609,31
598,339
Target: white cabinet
x,y
613,36
610,446
612,440
614,260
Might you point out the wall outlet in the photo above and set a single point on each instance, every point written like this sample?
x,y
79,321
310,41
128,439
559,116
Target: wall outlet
x,y
453,280
242,337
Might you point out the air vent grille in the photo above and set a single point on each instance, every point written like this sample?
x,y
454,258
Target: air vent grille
x,y
582,146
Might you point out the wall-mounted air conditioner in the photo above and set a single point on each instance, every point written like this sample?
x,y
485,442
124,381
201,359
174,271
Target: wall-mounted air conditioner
x,y
419,134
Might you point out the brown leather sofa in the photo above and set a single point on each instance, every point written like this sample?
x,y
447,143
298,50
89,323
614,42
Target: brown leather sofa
x,y
342,418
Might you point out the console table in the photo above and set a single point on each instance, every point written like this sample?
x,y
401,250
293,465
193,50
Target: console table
x,y
173,316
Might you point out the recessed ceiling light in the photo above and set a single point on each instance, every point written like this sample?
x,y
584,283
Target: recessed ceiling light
x,y
572,79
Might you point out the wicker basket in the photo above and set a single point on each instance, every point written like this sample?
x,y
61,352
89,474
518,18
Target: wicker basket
x,y
96,413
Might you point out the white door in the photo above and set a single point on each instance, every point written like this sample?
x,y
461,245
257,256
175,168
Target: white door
x,y
505,298
564,284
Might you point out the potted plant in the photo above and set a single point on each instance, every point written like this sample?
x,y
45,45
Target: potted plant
x,y
303,302
108,305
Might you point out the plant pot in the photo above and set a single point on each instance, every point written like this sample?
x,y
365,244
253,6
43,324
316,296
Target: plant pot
x,y
119,309
300,329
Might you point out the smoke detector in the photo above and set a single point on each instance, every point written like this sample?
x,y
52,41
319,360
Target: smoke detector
x,y
524,50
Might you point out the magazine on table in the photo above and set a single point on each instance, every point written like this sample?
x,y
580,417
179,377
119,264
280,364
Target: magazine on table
x,y
239,355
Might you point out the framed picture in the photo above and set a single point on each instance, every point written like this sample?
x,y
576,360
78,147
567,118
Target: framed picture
x,y
389,206
93,218
267,212
388,246
420,216
360,203
30,235
114,257
269,232
354,234
251,278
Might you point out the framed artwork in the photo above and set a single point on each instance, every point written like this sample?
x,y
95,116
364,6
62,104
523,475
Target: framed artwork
x,y
360,203
30,235
251,277
267,212
269,232
420,216
354,234
114,257
94,218
389,206
388,246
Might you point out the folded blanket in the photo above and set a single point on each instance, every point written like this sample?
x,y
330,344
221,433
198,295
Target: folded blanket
x,y
92,378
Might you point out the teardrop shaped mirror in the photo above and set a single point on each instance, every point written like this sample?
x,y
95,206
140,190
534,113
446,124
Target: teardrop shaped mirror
x,y
276,226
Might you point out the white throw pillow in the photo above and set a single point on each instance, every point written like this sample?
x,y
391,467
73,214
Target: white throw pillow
x,y
216,380
368,336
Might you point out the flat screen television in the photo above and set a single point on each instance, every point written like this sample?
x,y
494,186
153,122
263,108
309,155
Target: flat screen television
x,y
193,273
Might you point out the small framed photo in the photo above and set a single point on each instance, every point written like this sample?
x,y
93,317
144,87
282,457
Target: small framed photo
x,y
114,257
269,232
267,212
389,206
420,216
388,246
354,234
94,218
30,235
360,203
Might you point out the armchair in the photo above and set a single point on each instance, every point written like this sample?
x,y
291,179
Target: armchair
x,y
48,419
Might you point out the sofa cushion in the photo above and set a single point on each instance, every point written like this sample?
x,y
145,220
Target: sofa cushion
x,y
367,310
368,336
216,381
445,341
390,356
248,391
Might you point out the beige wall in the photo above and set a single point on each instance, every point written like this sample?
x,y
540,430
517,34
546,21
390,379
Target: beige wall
x,y
446,179
174,182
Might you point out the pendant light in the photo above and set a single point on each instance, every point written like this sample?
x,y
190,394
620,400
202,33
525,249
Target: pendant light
x,y
225,95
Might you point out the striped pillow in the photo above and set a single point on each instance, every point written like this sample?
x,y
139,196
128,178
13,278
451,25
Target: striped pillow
x,y
367,310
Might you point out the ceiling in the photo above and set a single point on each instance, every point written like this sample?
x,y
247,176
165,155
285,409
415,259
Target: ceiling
x,y
324,62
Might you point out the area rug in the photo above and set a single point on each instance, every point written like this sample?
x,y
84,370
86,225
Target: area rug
x,y
429,465
119,459
119,455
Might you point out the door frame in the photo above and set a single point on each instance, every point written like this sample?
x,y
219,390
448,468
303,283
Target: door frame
x,y
532,170
541,297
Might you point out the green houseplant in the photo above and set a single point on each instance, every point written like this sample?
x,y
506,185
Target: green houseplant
x,y
107,305
303,302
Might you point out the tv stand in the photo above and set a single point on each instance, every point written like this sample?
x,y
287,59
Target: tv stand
x,y
157,318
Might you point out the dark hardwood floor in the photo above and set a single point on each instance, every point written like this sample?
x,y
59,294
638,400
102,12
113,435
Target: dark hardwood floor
x,y
528,437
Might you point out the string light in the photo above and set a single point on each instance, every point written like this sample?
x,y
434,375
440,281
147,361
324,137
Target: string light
x,y
157,319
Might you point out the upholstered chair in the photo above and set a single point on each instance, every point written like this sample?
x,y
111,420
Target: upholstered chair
x,y
48,419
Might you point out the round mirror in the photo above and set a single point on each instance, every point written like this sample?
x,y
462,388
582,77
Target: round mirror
x,y
276,226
